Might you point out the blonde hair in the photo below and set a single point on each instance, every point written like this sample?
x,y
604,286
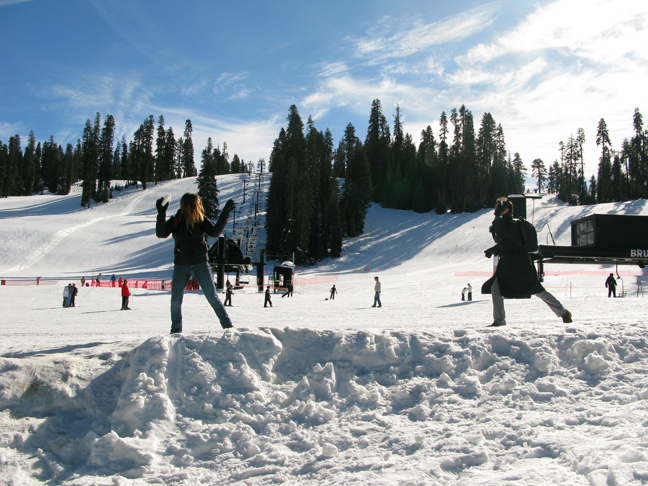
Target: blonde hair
x,y
191,209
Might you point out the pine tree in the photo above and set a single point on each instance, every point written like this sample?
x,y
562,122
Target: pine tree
x,y
160,149
236,166
52,162
604,189
593,188
123,166
581,184
90,151
38,168
104,175
378,149
188,165
29,165
4,156
554,178
356,193
501,186
67,163
13,179
116,165
170,150
519,174
486,154
539,171
276,212
329,192
206,181
638,158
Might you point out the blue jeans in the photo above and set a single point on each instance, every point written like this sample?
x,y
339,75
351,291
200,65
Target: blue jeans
x,y
202,273
377,300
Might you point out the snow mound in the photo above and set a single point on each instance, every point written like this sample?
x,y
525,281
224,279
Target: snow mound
x,y
274,404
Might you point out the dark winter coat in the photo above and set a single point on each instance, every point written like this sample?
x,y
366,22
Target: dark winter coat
x,y
515,273
610,282
190,243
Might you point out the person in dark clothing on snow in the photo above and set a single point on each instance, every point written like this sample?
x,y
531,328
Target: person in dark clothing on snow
x,y
73,295
611,284
190,229
289,291
268,300
515,277
228,295
333,292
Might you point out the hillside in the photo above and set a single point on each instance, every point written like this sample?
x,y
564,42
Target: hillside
x,y
313,391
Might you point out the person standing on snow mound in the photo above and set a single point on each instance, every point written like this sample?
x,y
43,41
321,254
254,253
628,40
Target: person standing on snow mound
x,y
190,229
515,276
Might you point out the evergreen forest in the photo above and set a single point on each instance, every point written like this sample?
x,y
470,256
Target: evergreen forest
x,y
152,155
461,169
320,193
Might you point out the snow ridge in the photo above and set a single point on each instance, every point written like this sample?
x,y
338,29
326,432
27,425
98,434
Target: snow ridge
x,y
284,403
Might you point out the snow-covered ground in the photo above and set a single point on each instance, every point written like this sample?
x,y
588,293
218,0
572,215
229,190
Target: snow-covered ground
x,y
313,391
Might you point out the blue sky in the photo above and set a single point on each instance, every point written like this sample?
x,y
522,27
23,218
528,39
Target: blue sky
x,y
542,69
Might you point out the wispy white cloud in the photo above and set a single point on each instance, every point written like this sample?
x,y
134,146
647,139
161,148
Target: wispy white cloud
x,y
419,37
96,92
601,30
9,130
232,86
331,69
4,3
357,94
564,67
250,139
229,81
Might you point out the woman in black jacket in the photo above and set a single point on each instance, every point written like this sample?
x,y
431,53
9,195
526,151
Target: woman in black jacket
x,y
190,229
515,276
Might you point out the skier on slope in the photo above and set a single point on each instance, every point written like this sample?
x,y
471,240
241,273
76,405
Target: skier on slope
x,y
515,277
190,229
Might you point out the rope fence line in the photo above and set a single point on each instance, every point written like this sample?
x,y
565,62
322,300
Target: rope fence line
x,y
562,273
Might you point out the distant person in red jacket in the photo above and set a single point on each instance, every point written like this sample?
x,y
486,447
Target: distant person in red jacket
x,y
125,295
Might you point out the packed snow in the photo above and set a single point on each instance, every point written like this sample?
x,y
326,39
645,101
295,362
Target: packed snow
x,y
313,391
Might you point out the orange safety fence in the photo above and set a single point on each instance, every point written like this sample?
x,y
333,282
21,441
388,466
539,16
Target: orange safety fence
x,y
559,273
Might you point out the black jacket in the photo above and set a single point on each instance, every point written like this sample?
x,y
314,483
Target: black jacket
x,y
516,275
190,243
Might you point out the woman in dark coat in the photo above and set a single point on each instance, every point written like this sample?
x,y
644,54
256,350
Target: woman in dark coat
x,y
515,276
190,229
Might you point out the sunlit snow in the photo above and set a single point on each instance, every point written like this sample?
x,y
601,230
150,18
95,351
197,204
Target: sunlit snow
x,y
313,391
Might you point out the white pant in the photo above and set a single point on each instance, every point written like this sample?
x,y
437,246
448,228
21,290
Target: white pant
x,y
499,314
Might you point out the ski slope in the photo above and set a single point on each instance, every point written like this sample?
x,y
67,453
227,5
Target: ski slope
x,y
312,391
